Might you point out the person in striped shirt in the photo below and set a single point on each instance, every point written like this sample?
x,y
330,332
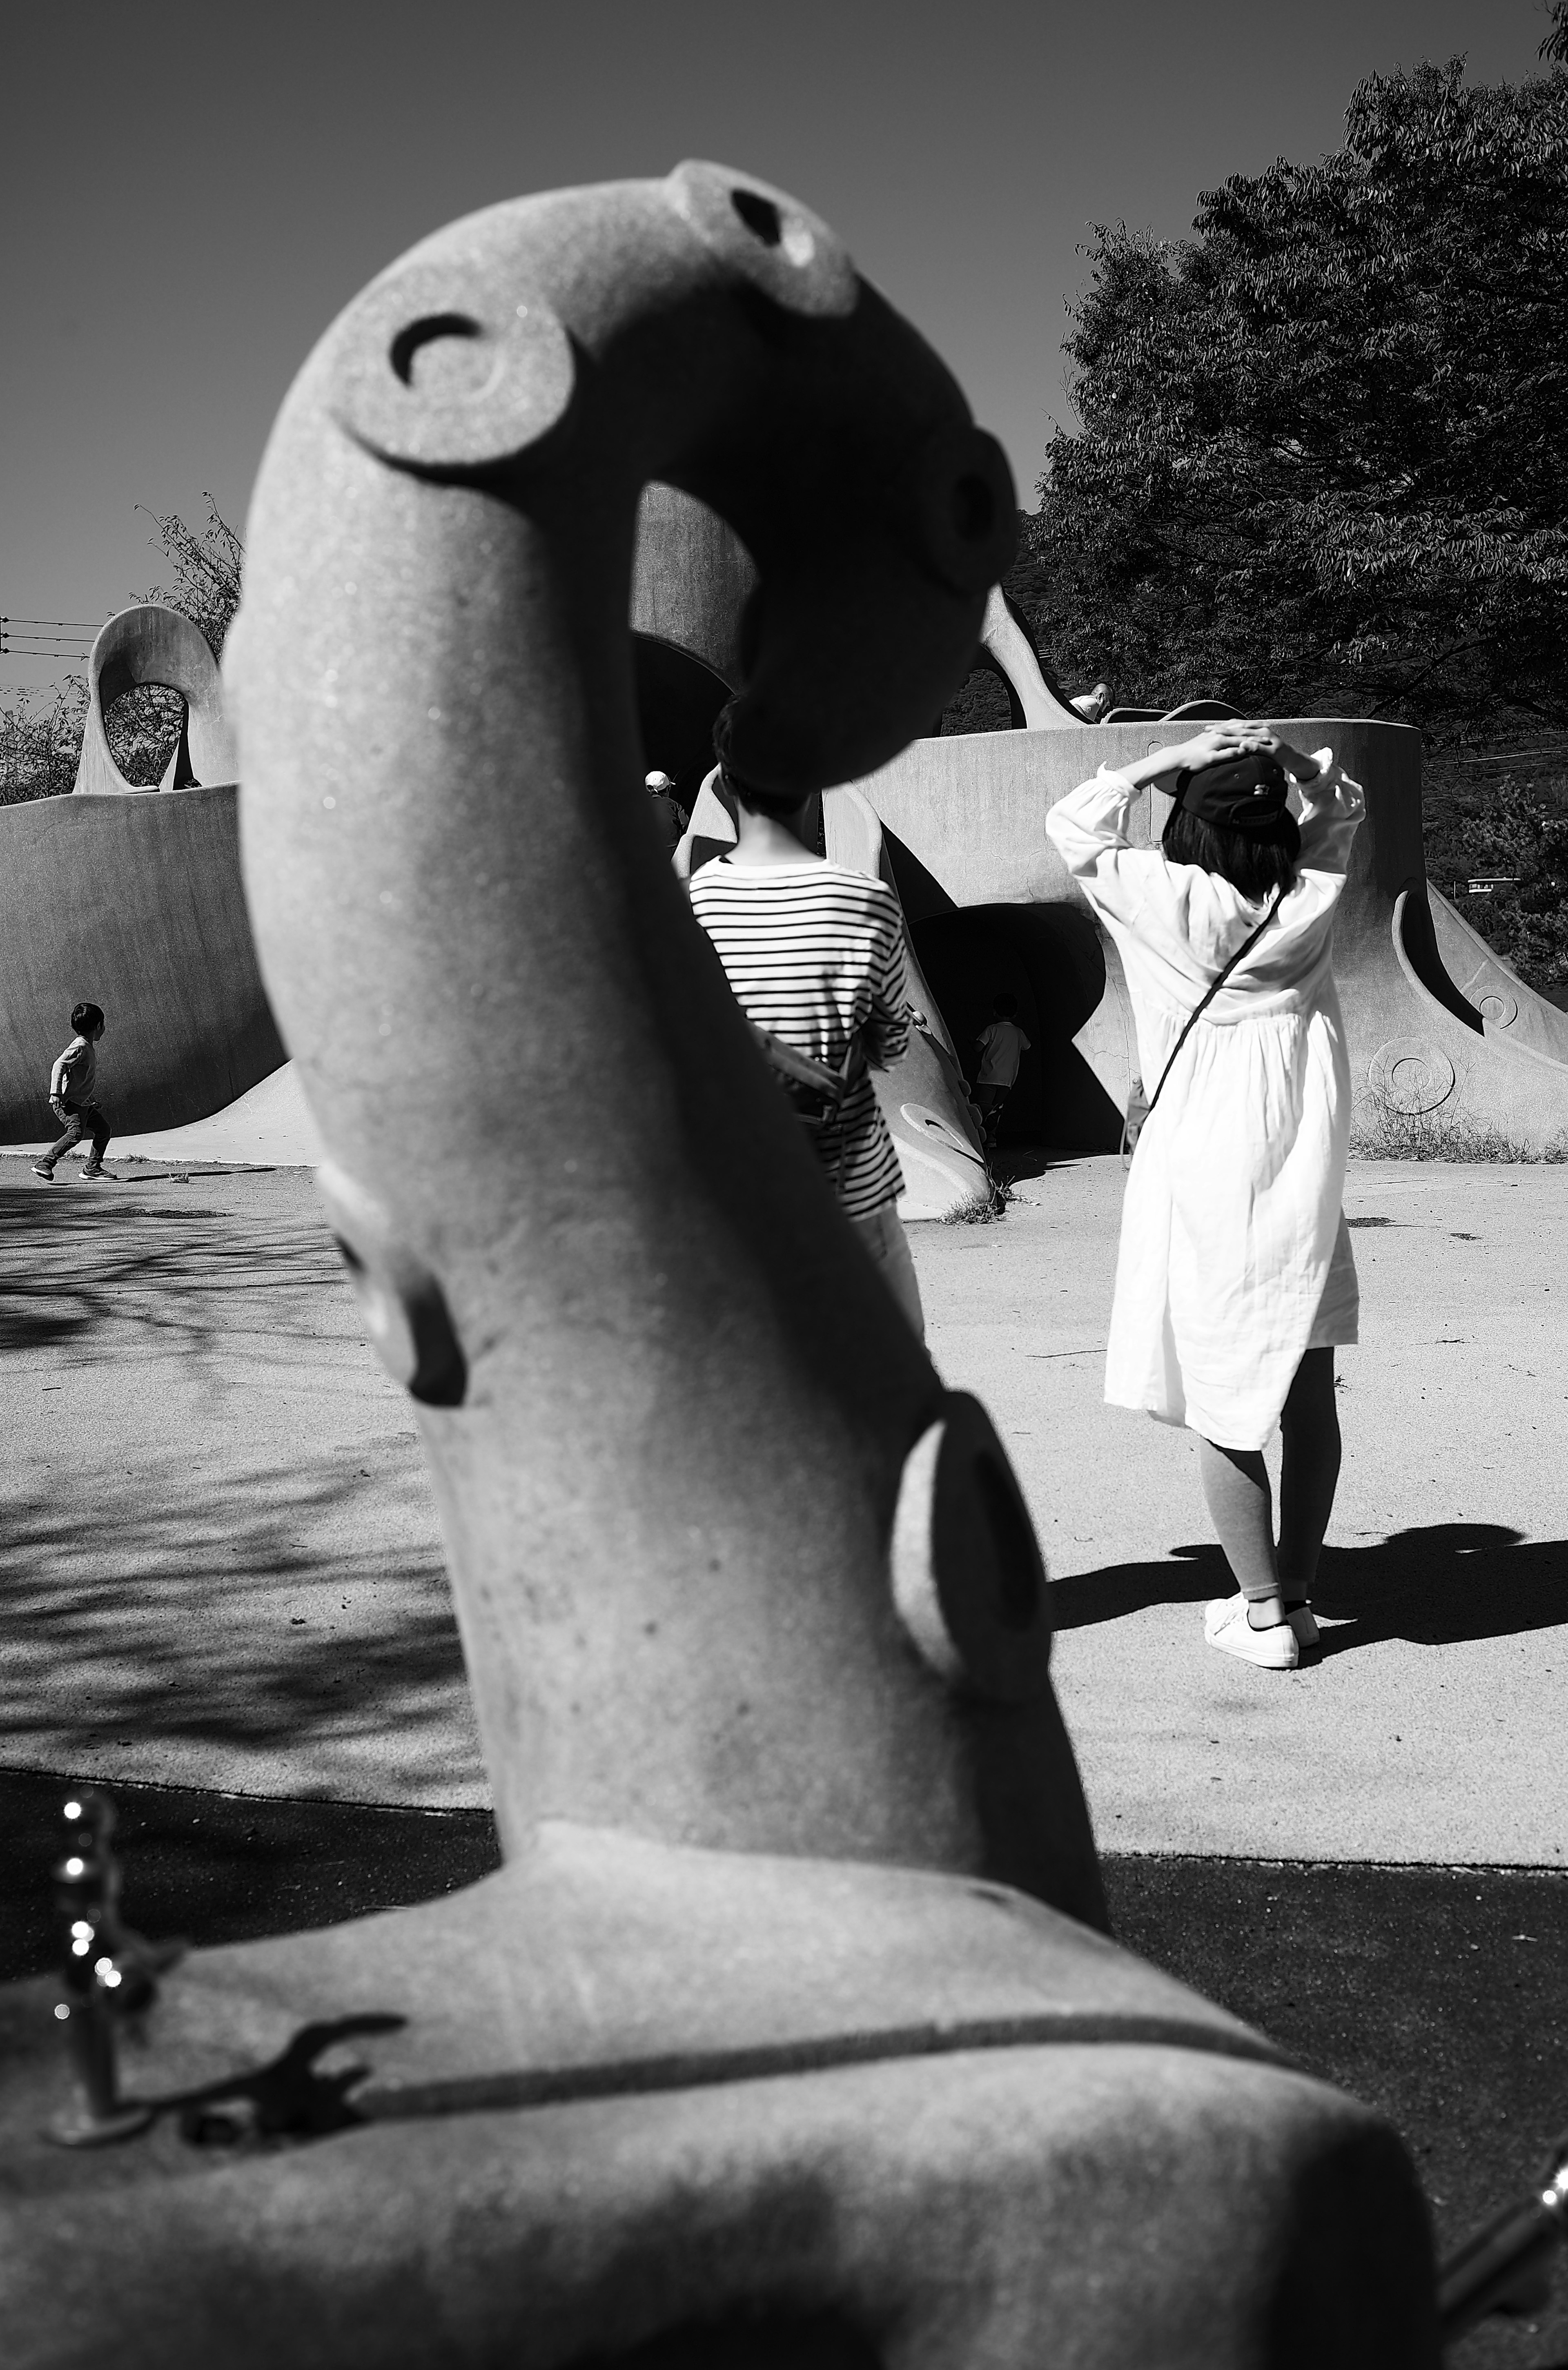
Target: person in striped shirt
x,y
815,956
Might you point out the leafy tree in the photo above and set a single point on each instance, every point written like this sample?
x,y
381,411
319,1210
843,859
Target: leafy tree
x,y
208,563
1555,45
979,705
41,739
1322,464
1517,828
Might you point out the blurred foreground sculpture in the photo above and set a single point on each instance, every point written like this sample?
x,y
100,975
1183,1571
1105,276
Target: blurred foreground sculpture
x,y
776,2038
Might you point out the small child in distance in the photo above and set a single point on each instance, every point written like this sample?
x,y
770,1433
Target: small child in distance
x,y
1002,1045
72,1100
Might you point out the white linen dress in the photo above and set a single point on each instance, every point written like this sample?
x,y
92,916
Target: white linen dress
x,y
1234,1258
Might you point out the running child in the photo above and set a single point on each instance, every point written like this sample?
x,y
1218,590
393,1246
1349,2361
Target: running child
x,y
1234,1281
73,1098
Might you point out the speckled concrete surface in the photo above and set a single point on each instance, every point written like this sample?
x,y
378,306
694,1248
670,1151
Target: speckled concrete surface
x,y
221,1562
222,1565
1431,1729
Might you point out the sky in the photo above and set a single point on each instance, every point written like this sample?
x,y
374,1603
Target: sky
x,y
189,194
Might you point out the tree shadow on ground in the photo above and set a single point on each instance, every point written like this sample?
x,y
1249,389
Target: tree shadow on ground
x,y
1441,1585
234,1625
79,1270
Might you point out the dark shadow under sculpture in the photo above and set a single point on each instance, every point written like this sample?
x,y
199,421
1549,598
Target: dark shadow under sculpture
x,y
757,2047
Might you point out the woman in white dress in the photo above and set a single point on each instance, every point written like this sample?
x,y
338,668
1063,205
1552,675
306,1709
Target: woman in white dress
x,y
1234,1281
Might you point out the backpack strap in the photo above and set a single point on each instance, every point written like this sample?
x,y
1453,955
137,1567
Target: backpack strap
x,y
1199,1009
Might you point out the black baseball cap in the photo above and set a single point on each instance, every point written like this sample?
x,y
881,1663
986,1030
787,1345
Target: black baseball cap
x,y
1239,794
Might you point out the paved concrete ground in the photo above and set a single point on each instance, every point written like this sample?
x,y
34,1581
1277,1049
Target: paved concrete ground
x,y
222,1569
219,1569
219,1561
1431,1729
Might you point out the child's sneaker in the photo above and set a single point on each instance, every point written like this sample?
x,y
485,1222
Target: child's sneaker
x,y
1308,1634
91,1176
1226,1626
42,1168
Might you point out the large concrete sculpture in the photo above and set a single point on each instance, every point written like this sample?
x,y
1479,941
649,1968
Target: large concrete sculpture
x,y
776,2038
132,901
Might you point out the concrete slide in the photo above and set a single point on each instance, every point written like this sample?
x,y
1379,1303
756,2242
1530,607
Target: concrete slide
x,y
134,903
131,899
1442,1033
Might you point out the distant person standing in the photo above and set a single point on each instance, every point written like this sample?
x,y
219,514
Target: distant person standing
x,y
813,953
73,1098
672,816
1002,1046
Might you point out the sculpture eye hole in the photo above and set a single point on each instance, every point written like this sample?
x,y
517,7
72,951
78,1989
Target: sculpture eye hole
x,y
438,330
974,508
760,216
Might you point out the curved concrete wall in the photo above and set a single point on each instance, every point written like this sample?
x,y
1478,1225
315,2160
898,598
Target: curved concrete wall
x,y
134,903
151,644
1438,1024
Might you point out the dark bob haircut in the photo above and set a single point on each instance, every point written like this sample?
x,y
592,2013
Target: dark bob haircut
x,y
1255,862
762,802
86,1018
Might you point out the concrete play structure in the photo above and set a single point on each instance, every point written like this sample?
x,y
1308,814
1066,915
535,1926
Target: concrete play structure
x,y
136,901
132,899
1442,1031
789,2030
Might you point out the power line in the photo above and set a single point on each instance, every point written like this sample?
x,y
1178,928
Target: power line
x,y
46,638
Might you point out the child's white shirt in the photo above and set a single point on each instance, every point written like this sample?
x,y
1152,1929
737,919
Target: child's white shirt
x,y
75,1074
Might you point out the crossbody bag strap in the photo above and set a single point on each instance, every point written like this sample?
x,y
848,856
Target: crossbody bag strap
x,y
1199,1009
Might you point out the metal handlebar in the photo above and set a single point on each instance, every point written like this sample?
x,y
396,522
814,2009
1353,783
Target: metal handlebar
x,y
1506,2266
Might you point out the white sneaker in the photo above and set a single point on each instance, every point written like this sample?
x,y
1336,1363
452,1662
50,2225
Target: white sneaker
x,y
1308,1634
1226,1626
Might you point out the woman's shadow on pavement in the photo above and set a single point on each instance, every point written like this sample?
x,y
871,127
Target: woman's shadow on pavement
x,y
1438,1586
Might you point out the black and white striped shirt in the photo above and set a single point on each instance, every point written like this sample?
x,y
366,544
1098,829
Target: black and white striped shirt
x,y
814,952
